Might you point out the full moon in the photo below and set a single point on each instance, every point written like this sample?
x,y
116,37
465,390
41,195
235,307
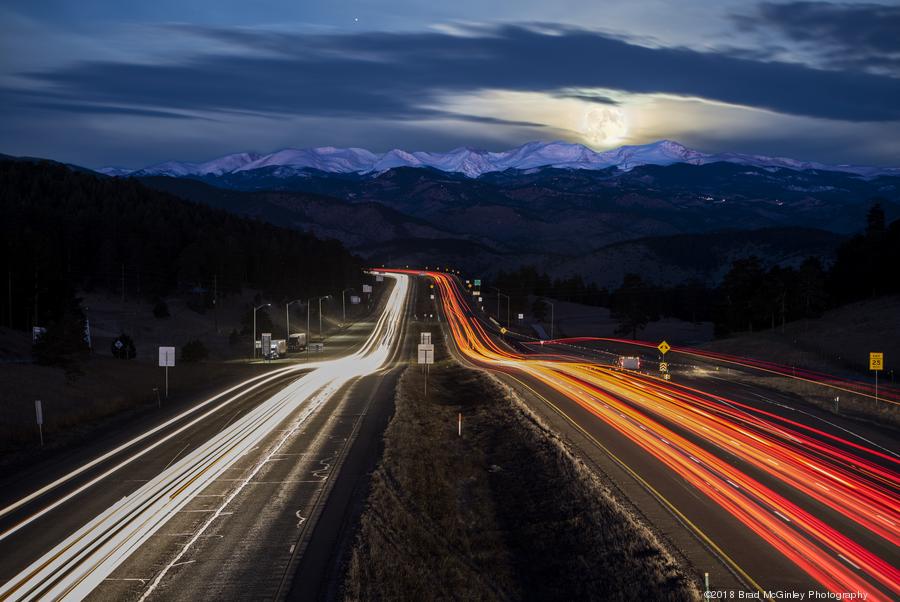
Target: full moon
x,y
602,126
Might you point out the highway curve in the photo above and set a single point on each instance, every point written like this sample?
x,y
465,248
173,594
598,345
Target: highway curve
x,y
759,499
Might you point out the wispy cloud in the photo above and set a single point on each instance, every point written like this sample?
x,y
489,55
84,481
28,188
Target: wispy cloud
x,y
842,35
400,75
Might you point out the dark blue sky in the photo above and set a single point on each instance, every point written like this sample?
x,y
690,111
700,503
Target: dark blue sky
x,y
112,83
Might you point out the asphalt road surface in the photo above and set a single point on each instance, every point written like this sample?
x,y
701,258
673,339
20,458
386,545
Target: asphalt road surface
x,y
223,500
746,483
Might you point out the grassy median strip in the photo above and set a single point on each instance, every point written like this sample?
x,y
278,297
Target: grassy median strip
x,y
503,512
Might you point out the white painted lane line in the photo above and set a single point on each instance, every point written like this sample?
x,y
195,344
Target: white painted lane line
x,y
50,486
77,565
178,454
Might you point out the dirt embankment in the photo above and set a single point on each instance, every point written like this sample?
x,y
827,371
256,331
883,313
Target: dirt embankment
x,y
837,343
503,512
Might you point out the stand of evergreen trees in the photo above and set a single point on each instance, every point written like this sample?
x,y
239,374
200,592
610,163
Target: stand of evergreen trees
x,y
750,296
65,231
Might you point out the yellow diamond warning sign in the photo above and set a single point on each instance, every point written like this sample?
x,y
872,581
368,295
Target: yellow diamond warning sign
x,y
663,347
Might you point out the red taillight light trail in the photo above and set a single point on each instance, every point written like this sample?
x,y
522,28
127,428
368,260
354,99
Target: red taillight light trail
x,y
701,436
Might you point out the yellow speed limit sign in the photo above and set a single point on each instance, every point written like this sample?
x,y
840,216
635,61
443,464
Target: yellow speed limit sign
x,y
876,361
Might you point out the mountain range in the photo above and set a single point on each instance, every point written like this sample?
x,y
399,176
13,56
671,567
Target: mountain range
x,y
566,221
662,210
474,163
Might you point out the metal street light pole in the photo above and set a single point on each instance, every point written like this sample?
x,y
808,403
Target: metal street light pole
x,y
308,333
507,312
551,316
344,303
255,309
320,313
287,318
498,302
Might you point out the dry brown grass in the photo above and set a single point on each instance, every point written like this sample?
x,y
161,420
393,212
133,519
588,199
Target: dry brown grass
x,y
108,389
503,512
822,396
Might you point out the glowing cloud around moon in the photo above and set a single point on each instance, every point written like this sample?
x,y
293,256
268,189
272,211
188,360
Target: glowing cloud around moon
x,y
603,126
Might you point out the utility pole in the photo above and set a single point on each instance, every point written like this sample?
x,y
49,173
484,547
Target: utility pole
x,y
35,321
216,303
551,316
320,313
255,309
308,334
344,303
499,294
287,318
507,312
498,302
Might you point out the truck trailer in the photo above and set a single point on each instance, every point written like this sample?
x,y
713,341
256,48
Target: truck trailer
x,y
297,342
629,362
277,349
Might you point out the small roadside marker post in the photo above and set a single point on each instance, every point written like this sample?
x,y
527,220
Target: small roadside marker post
x,y
459,427
426,356
39,415
706,585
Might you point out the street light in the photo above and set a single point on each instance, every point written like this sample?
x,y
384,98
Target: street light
x,y
499,294
255,309
320,313
287,318
551,316
344,303
498,302
308,333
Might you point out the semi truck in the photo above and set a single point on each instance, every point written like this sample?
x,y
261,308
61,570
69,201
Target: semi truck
x,y
277,349
297,342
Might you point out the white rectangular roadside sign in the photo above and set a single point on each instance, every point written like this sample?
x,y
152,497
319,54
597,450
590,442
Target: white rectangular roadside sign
x,y
167,360
166,357
426,354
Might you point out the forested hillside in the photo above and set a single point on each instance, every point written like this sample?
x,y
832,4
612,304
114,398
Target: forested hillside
x,y
65,232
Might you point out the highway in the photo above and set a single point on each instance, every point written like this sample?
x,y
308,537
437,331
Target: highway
x,y
758,495
219,501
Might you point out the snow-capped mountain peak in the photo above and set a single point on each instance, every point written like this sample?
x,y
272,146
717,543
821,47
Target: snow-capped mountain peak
x,y
475,162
